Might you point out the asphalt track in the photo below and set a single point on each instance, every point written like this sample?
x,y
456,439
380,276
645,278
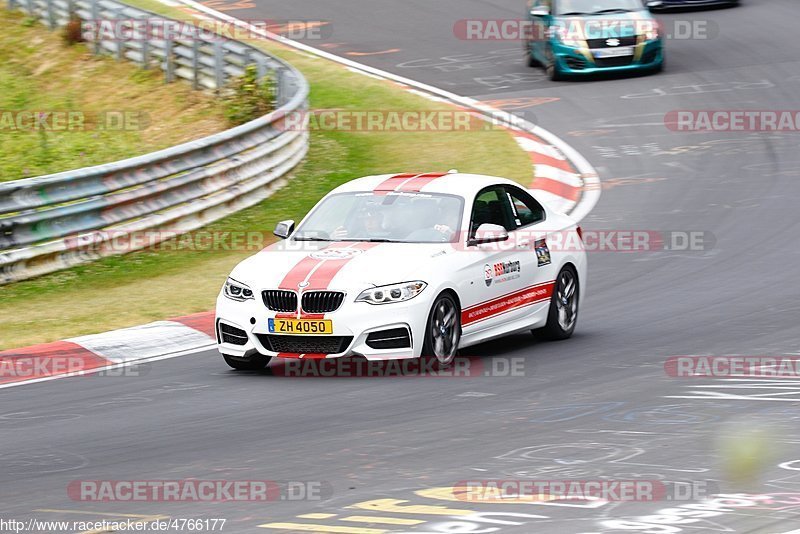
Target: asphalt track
x,y
599,405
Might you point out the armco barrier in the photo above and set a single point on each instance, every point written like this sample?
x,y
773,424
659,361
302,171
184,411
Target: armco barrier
x,y
56,221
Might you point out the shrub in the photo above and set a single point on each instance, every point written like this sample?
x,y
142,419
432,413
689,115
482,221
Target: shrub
x,y
73,31
249,98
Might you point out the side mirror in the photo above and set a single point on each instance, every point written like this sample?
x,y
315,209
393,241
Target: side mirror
x,y
488,233
541,11
284,229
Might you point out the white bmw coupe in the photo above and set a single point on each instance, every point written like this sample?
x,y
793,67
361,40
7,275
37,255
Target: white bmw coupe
x,y
403,266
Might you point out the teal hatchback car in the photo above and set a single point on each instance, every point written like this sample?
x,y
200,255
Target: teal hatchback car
x,y
578,37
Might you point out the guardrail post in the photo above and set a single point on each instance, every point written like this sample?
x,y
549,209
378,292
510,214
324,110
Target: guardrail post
x,y
219,61
195,64
95,21
120,49
169,70
51,17
261,66
146,49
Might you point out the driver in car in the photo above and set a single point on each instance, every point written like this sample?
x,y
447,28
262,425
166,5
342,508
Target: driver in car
x,y
368,224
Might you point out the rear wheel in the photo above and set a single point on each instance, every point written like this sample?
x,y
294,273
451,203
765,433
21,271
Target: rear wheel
x,y
563,314
444,330
254,363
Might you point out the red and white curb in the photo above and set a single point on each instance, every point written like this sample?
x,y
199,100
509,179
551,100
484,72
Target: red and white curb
x,y
562,177
110,350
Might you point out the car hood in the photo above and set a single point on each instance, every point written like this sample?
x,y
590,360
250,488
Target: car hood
x,y
612,25
341,266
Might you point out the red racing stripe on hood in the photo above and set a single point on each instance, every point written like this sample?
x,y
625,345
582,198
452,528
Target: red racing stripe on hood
x,y
318,271
321,277
303,268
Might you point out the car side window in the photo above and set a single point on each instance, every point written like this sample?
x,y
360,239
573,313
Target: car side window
x,y
491,206
526,210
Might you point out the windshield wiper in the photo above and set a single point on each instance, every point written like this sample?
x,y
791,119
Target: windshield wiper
x,y
310,238
613,10
372,240
572,14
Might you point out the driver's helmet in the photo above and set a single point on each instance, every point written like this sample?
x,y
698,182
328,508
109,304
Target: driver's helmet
x,y
370,217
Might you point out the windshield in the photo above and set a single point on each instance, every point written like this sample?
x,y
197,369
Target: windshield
x,y
392,217
596,7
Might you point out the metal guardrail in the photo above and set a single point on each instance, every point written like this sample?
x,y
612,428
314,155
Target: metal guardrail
x,y
53,222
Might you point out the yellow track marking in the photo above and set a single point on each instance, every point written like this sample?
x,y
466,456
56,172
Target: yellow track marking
x,y
307,527
382,520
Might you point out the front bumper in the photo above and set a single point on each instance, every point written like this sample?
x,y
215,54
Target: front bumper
x,y
580,60
352,324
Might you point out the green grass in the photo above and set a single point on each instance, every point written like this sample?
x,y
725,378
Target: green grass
x,y
151,285
40,73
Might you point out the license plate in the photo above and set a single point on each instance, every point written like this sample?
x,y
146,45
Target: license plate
x,y
613,52
301,326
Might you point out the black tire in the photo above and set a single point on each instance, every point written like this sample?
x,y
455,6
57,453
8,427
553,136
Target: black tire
x,y
560,327
661,66
532,61
443,331
254,363
551,69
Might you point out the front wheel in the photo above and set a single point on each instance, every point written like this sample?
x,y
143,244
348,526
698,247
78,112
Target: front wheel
x,y
443,332
660,67
563,314
532,61
255,363
551,69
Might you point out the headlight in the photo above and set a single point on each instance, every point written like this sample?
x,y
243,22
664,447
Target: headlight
x,y
651,31
237,291
392,293
566,38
